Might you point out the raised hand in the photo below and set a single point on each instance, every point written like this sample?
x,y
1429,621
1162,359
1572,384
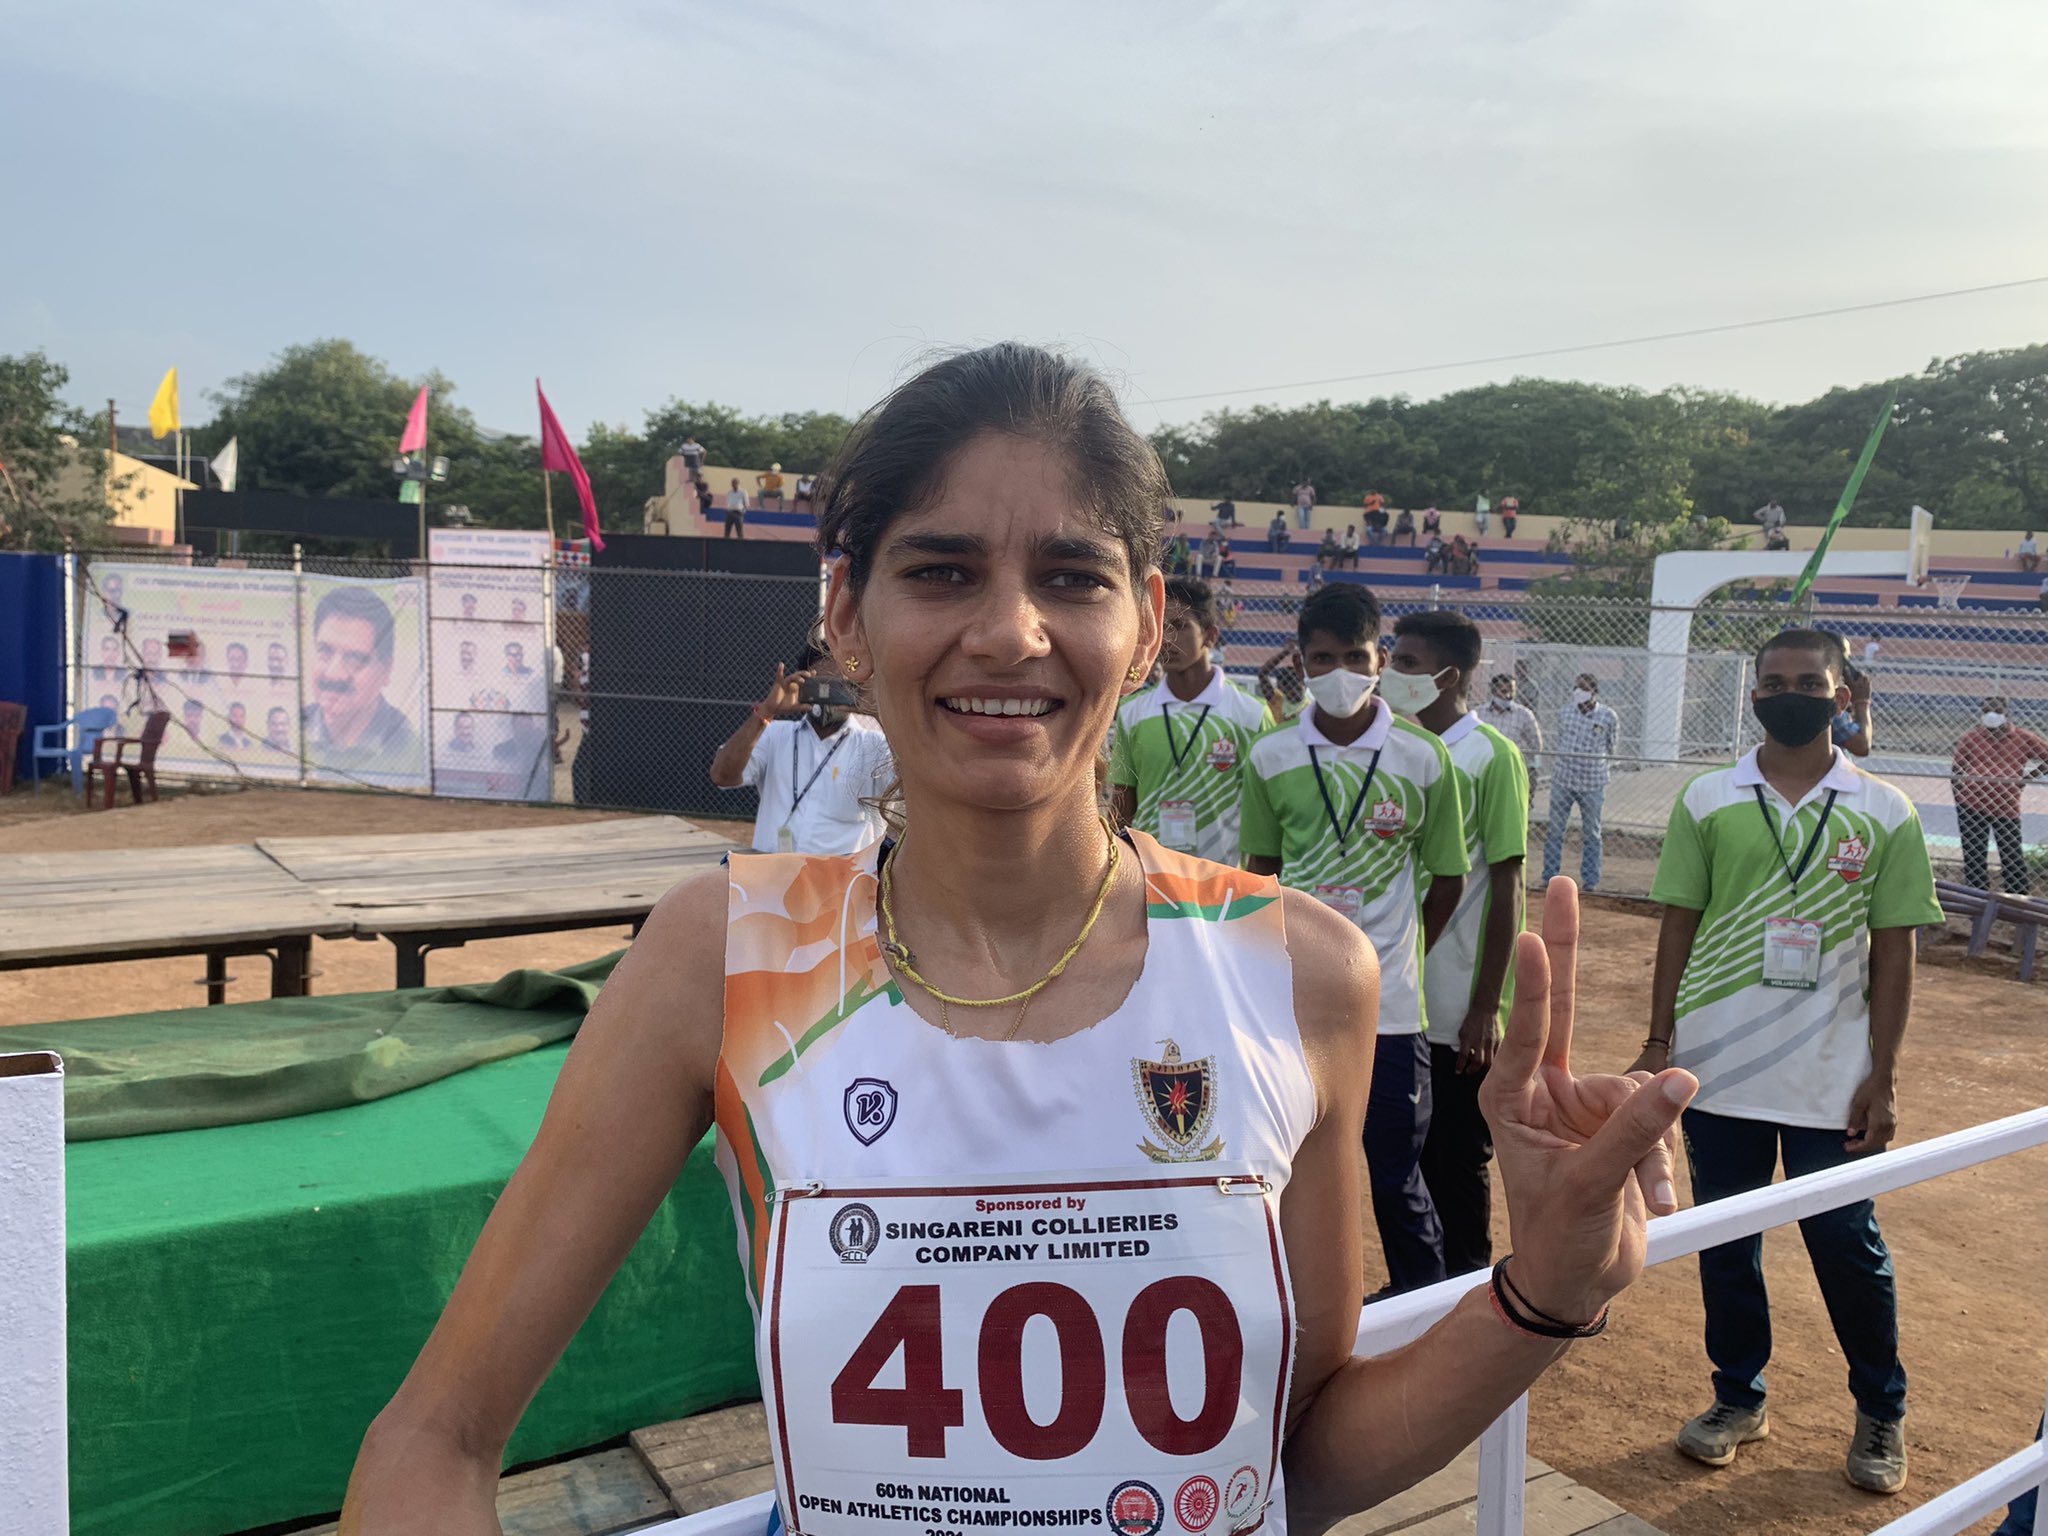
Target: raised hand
x,y
1585,1161
782,694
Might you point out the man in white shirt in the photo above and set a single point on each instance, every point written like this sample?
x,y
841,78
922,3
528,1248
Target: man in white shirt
x,y
1517,722
820,774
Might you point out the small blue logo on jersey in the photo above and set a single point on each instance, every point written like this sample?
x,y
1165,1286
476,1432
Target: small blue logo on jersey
x,y
870,1109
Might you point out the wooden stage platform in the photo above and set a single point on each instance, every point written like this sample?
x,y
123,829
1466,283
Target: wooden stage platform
x,y
696,1464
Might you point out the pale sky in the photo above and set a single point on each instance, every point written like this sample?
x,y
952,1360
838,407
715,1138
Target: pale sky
x,y
780,206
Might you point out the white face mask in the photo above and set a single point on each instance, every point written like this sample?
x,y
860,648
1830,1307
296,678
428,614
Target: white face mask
x,y
1582,695
1341,693
1991,720
1410,693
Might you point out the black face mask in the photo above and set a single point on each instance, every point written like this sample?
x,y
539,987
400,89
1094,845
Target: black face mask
x,y
1793,719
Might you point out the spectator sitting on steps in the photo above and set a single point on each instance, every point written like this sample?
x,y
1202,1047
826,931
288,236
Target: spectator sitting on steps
x,y
1328,551
770,486
1276,534
2029,552
1404,527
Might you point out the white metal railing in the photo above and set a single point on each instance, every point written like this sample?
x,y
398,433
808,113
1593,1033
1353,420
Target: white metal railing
x,y
1503,1449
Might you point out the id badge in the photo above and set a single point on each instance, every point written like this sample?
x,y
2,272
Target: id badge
x,y
785,839
1177,825
1791,953
1346,899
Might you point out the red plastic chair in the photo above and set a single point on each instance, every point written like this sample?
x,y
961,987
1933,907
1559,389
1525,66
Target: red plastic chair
x,y
109,755
13,721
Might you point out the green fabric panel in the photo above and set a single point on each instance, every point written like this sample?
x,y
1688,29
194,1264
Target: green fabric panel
x,y
245,1298
194,1067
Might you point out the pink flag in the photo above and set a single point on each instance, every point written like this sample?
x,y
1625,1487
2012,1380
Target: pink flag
x,y
415,438
556,452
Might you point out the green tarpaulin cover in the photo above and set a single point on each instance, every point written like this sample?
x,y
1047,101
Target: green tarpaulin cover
x,y
245,1296
152,1072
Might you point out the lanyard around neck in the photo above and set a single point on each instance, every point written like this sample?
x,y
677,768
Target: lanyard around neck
x,y
1778,837
1179,752
1343,829
795,742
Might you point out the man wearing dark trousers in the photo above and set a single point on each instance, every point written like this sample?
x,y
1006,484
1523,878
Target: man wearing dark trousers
x,y
1466,978
1792,884
1993,763
1360,807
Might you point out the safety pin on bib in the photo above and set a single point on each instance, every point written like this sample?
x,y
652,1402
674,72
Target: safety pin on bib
x,y
796,1191
1244,1184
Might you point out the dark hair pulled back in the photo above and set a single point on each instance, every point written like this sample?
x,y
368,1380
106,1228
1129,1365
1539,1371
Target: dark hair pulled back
x,y
896,457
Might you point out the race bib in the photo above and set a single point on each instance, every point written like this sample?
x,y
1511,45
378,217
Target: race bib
x,y
785,838
1104,1353
1791,953
1177,825
1347,899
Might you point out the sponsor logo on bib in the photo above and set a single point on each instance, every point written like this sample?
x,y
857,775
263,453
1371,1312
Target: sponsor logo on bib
x,y
1241,1496
870,1105
1388,817
1135,1509
854,1233
1195,1505
1851,854
1178,1101
1223,754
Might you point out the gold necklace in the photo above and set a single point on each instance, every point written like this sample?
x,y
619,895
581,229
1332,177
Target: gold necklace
x,y
899,955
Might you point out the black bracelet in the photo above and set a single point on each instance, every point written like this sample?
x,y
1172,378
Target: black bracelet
x,y
1525,1317
1653,1040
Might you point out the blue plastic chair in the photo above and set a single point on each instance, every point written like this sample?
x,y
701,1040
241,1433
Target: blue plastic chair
x,y
90,724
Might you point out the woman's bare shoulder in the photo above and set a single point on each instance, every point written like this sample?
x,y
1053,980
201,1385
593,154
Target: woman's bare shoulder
x,y
1336,990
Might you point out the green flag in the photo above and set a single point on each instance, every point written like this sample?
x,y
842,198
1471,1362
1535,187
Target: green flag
x,y
1820,550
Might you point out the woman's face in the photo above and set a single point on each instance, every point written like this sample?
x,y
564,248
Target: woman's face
x,y
997,632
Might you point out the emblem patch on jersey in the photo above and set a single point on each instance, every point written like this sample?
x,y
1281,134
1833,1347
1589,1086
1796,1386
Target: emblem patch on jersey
x,y
1851,854
1135,1509
870,1109
854,1233
1388,817
1196,1504
1178,1100
1223,754
1241,1496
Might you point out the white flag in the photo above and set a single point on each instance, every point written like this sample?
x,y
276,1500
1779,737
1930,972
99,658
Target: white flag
x,y
225,463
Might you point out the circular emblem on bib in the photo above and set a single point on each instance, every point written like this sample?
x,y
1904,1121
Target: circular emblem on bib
x,y
1195,1505
854,1233
1241,1494
1135,1509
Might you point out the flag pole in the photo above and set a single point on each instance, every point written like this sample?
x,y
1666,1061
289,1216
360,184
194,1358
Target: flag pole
x,y
178,532
547,488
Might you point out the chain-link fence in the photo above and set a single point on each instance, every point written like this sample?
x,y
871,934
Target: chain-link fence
x,y
562,684
1679,681
613,687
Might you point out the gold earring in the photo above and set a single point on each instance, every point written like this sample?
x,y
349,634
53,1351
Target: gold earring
x,y
852,663
1137,672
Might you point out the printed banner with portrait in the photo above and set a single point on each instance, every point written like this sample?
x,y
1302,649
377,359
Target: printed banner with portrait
x,y
491,652
218,649
365,683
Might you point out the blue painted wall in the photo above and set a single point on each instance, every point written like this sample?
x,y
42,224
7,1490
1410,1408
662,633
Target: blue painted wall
x,y
32,642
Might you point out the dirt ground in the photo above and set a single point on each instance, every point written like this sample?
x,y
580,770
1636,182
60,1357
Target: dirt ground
x,y
1972,1301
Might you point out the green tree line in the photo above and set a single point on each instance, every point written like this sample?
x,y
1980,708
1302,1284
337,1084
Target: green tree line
x,y
1969,439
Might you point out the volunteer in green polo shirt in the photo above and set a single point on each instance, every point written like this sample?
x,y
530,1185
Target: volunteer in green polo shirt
x,y
1360,807
1177,747
1792,883
1466,981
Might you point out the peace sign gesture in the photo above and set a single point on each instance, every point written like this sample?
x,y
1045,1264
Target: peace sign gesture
x,y
1585,1161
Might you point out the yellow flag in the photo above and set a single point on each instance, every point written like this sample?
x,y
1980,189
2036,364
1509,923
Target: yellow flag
x,y
163,410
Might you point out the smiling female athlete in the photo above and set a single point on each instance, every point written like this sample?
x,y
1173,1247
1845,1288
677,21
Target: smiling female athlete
x,y
1042,1139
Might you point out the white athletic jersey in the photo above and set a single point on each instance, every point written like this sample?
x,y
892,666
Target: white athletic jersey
x,y
1015,1285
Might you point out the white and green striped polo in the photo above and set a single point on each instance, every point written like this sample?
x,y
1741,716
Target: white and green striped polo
x,y
1187,751
1385,839
1790,1055
1493,783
